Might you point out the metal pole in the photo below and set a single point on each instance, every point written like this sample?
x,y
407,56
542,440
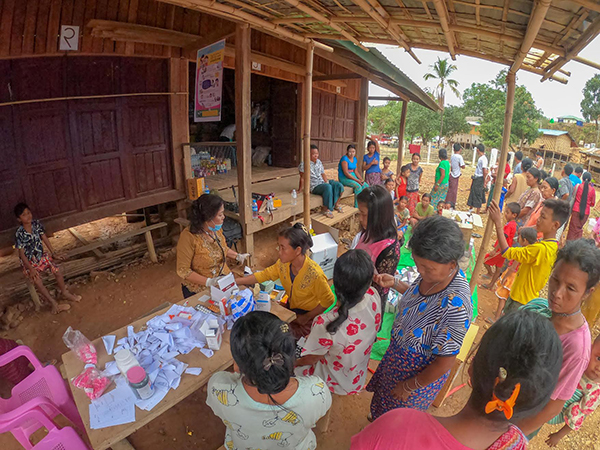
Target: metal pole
x,y
508,114
310,51
428,151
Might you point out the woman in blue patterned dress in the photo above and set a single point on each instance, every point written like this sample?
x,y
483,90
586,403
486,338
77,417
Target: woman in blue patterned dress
x,y
435,313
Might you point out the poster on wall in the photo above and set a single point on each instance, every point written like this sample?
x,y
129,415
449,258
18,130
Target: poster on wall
x,y
209,82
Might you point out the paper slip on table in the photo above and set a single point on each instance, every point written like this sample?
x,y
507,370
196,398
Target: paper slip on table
x,y
115,437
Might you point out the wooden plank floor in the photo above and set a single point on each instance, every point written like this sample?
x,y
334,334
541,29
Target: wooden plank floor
x,y
263,173
349,211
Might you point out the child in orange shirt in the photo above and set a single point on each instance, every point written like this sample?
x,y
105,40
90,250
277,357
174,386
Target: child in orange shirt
x,y
495,258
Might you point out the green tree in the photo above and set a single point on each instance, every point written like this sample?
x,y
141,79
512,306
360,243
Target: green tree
x,y
590,105
421,121
442,70
384,119
455,121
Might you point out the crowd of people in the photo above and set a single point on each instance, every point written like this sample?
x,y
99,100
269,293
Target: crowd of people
x,y
536,364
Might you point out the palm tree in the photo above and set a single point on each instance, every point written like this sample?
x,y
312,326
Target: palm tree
x,y
441,70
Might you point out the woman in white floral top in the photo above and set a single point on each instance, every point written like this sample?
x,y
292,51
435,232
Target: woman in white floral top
x,y
339,344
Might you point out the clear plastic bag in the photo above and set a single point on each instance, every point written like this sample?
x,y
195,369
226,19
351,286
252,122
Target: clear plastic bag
x,y
78,343
92,382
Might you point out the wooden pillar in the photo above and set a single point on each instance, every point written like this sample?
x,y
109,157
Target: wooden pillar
x,y
243,129
361,122
508,114
310,52
401,137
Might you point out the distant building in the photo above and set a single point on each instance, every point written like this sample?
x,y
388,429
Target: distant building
x,y
571,120
472,138
555,141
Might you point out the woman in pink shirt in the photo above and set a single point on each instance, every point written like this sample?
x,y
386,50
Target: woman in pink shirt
x,y
513,375
585,198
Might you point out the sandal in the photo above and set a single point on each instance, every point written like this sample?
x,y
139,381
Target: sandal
x,y
61,307
339,208
328,214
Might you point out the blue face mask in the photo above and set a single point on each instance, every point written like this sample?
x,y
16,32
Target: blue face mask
x,y
215,228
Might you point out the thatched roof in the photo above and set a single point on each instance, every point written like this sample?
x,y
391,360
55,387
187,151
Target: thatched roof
x,y
538,36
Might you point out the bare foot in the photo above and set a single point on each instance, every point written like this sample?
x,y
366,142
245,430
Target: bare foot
x,y
60,307
486,275
71,297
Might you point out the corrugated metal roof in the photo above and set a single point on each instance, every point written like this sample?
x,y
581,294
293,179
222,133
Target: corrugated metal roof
x,y
552,132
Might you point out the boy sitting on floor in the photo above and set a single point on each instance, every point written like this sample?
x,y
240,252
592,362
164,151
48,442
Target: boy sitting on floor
x,y
29,240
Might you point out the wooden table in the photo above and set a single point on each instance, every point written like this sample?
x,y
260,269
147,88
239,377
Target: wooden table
x,y
113,436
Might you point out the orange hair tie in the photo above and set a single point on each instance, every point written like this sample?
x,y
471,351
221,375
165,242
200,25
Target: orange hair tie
x,y
506,406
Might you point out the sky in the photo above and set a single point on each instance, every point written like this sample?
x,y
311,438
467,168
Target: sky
x,y
554,98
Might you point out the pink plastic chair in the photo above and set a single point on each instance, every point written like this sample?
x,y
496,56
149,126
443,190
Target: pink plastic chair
x,y
45,383
32,412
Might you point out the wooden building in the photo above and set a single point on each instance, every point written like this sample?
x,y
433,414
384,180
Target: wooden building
x,y
101,130
556,146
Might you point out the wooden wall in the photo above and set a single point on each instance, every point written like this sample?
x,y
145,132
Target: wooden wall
x,y
559,144
32,27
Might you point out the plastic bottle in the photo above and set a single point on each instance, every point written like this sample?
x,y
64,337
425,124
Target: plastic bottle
x,y
294,197
140,383
254,209
125,361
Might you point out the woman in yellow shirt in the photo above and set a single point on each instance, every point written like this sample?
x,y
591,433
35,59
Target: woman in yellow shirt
x,y
202,250
303,279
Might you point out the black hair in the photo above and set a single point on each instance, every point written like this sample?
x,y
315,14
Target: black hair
x,y
313,147
441,202
583,254
387,159
456,147
404,168
526,345
553,183
20,209
373,144
257,336
519,155
529,234
415,153
561,209
578,169
352,277
349,147
389,180
535,173
403,197
514,207
568,169
538,153
437,239
380,220
543,176
427,195
443,154
526,164
587,178
204,209
481,148
298,236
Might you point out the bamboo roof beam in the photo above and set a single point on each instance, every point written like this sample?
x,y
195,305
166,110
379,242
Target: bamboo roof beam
x,y
589,4
237,15
386,26
587,62
442,12
533,28
587,36
321,18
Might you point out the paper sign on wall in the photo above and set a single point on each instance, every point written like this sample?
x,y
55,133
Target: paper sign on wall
x,y
209,82
69,37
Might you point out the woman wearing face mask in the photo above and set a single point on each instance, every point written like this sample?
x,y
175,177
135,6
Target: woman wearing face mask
x,y
201,250
435,313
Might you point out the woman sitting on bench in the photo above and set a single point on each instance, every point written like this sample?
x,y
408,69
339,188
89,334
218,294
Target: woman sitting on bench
x,y
201,250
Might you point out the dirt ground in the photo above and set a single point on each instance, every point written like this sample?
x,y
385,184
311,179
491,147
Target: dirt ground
x,y
111,301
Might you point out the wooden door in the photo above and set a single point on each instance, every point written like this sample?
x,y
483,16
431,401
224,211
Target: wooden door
x,y
284,111
146,135
11,188
327,117
99,157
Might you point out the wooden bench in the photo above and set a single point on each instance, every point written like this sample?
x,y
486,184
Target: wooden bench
x,y
350,212
146,231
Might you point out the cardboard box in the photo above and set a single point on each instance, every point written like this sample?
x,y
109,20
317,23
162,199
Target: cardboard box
x,y
212,332
324,252
195,188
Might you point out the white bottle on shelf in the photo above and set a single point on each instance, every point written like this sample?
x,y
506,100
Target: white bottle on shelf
x,y
294,197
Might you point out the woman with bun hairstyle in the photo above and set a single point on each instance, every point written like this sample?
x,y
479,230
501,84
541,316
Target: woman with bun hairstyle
x,y
261,403
202,250
305,284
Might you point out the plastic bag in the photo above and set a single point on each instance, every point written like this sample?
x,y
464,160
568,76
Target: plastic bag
x,y
241,303
78,343
92,382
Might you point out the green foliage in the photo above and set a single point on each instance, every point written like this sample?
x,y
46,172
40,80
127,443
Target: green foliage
x,y
590,105
421,121
455,121
489,101
441,70
385,119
